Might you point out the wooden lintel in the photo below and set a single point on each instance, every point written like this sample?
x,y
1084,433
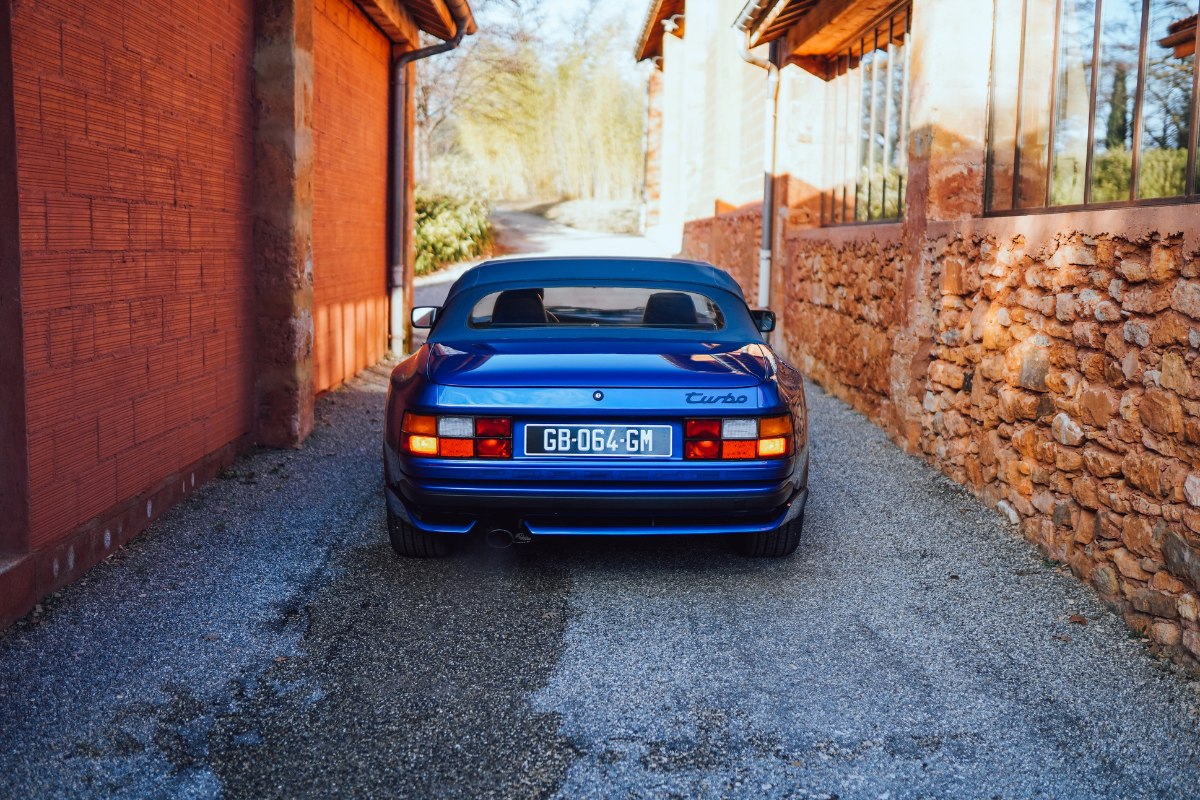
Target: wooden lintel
x,y
815,65
394,20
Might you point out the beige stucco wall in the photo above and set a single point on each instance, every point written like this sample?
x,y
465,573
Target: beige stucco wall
x,y
712,122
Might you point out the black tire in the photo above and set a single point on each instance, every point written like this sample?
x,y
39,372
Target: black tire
x,y
776,543
409,540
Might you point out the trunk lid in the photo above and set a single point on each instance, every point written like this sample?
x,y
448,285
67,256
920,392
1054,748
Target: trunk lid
x,y
575,364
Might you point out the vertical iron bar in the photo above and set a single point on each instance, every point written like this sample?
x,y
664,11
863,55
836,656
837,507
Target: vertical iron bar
x,y
1091,134
1137,105
846,200
990,156
887,114
871,125
904,81
1016,187
857,126
837,143
1190,186
1053,105
843,142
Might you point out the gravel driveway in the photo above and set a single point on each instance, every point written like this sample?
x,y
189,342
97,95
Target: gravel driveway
x,y
263,641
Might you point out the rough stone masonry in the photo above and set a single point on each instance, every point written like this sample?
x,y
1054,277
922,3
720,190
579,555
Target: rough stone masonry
x,y
1059,381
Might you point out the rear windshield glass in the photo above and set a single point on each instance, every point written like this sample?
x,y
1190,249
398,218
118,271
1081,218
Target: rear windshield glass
x,y
597,307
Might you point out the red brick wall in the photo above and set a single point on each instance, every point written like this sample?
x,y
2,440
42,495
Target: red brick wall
x,y
350,125
134,129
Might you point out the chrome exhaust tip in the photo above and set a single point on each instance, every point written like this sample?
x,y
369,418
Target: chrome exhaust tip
x,y
499,538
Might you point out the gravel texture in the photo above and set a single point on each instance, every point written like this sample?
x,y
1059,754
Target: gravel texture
x,y
262,640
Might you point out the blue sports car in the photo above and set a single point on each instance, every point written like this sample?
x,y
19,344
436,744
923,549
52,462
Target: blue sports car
x,y
564,396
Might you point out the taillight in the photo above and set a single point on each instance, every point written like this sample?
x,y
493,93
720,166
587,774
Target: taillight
x,y
488,426
738,438
419,423
703,429
702,449
457,448
495,448
773,448
456,437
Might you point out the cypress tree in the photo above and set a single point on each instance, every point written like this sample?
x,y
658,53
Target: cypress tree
x,y
1118,121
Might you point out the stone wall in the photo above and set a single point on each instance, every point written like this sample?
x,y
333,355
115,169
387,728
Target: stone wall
x,y
731,241
1063,388
1054,372
841,311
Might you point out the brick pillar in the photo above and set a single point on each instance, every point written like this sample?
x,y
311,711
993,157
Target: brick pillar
x,y
947,135
283,204
16,565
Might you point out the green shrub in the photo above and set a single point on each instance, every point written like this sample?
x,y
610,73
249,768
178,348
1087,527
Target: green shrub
x,y
449,229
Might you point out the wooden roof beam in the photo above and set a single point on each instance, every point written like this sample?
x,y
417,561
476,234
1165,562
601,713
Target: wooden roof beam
x,y
829,26
394,20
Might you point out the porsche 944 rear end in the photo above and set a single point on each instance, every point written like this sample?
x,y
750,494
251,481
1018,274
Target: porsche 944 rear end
x,y
595,396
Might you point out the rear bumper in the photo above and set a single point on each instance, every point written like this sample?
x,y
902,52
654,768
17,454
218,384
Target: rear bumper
x,y
483,498
610,510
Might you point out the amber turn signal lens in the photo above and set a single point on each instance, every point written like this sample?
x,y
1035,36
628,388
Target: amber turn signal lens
x,y
775,426
421,445
773,448
457,448
703,429
707,448
420,423
739,448
485,426
495,448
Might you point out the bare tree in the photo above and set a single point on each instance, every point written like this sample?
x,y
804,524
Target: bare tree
x,y
519,113
494,55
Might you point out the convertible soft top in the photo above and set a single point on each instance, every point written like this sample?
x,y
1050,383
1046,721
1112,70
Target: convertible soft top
x,y
666,270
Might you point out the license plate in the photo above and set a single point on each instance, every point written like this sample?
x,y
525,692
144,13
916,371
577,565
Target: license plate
x,y
604,441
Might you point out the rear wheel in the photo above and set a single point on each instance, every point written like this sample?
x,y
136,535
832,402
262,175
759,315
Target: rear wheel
x,y
777,543
409,540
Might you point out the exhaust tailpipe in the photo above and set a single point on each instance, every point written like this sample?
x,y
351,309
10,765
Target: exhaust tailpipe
x,y
500,538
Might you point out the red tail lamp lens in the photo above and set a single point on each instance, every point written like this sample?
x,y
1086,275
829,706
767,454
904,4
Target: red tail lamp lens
x,y
739,448
495,448
706,448
485,426
703,429
457,448
420,423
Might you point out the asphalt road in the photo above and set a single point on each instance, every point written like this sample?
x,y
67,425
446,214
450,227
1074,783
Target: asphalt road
x,y
262,640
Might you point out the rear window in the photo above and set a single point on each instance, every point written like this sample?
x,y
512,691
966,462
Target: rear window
x,y
597,307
